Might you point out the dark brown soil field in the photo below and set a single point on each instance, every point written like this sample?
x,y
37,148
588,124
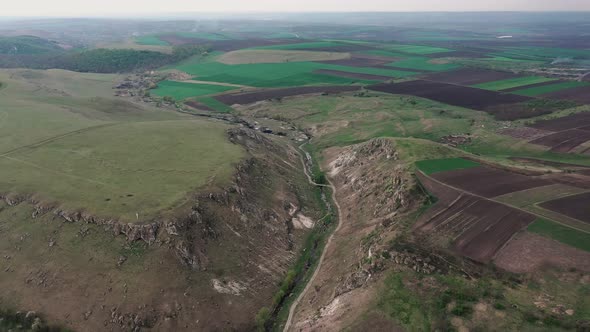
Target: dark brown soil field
x,y
526,133
577,120
199,106
489,182
528,252
352,75
511,112
532,85
480,227
455,95
577,206
470,76
564,141
581,94
252,97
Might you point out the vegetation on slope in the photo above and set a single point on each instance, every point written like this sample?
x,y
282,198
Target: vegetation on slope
x,y
101,60
27,45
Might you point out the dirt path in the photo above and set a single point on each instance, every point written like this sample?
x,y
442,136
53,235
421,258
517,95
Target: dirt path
x,y
319,265
54,138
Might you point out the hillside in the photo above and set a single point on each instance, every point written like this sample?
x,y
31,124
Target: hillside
x,y
22,45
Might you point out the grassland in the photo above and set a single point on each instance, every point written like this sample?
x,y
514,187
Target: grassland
x,y
567,235
536,91
512,83
348,119
107,156
441,165
184,90
277,56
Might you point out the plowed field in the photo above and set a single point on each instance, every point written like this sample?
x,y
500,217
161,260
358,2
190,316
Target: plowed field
x,y
451,94
489,182
577,206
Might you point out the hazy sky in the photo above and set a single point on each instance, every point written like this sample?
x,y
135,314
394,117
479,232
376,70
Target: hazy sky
x,y
101,7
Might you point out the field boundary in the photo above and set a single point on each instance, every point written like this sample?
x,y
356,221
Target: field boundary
x,y
491,200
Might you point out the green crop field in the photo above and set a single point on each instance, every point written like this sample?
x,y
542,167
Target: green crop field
x,y
150,40
279,74
540,90
106,156
567,235
215,104
416,49
422,63
543,53
442,165
183,90
512,83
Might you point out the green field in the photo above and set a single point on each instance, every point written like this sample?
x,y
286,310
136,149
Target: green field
x,y
540,90
416,49
151,40
109,157
442,165
278,74
512,83
543,53
183,90
215,104
567,235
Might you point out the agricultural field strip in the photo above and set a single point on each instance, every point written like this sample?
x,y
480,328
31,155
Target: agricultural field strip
x,y
513,82
519,196
502,203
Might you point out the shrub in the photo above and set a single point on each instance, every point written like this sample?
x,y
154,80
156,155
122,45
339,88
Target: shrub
x,y
262,318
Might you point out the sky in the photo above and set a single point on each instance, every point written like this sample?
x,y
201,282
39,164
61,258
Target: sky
x,y
139,7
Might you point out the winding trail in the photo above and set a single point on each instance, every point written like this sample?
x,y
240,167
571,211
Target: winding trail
x,y
319,265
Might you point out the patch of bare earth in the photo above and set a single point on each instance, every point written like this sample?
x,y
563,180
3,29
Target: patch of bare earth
x,y
526,133
528,252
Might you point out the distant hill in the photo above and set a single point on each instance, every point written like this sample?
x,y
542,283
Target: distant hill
x,y
21,45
